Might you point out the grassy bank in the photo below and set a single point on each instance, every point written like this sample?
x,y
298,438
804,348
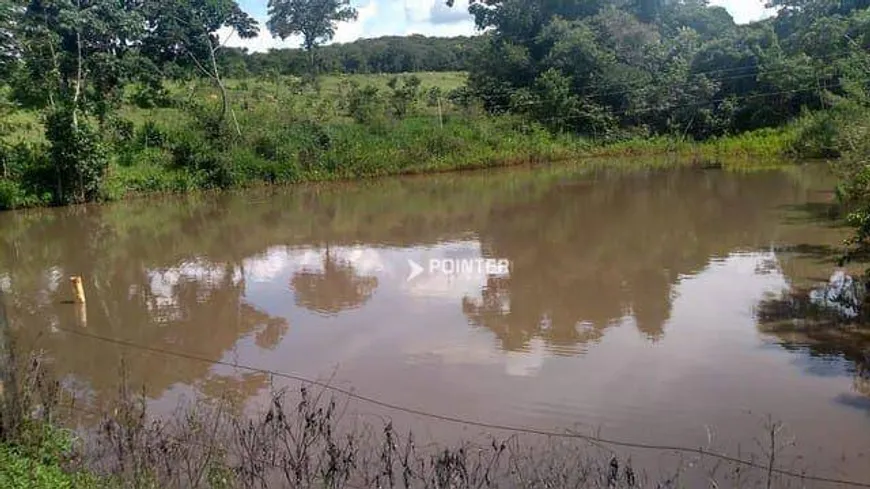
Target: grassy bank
x,y
39,464
286,131
310,151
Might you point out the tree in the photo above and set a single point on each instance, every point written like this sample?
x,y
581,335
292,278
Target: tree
x,y
8,55
73,49
315,20
73,53
8,45
337,288
663,66
186,31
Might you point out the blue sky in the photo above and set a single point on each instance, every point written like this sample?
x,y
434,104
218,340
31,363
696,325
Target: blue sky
x,y
428,17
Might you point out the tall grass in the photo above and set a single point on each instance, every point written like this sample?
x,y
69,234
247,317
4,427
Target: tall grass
x,y
277,153
286,131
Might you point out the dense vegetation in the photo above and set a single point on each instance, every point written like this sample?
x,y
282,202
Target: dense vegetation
x,y
392,54
605,68
105,98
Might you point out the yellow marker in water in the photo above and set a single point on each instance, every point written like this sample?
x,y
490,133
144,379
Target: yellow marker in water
x,y
78,289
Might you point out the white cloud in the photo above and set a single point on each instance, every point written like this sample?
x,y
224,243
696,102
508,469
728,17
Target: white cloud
x,y
267,266
345,32
351,31
163,282
376,18
745,11
440,13
418,10
430,18
275,262
262,43
366,261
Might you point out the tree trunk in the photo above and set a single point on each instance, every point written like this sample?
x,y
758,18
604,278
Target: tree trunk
x,y
79,80
75,110
312,65
216,76
225,103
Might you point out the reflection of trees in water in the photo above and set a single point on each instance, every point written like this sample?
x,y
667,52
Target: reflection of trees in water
x,y
236,388
829,321
862,379
337,288
583,257
516,321
584,253
121,249
195,306
194,315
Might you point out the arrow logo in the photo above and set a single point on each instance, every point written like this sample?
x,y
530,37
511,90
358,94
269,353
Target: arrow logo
x,y
416,270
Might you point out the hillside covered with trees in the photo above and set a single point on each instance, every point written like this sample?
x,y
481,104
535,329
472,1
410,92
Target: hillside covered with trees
x,y
392,54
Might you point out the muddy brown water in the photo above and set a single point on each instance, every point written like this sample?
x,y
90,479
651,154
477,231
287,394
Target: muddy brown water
x,y
630,307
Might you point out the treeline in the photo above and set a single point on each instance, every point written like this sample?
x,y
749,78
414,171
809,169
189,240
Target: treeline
x,y
609,68
390,54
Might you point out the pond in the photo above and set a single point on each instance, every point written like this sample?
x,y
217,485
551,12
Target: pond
x,y
631,305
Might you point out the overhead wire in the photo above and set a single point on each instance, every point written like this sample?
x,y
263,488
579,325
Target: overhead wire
x,y
467,422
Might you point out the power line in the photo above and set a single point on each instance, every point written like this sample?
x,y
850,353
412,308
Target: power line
x,y
457,420
667,107
509,106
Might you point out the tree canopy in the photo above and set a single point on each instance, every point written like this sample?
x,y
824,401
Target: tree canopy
x,y
679,66
8,47
314,20
390,54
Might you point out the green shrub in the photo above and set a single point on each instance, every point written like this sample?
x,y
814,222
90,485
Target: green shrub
x,y
822,134
16,160
119,131
78,155
212,124
189,150
404,96
434,96
267,146
36,461
817,136
462,97
31,178
365,105
440,143
854,189
12,196
150,135
312,141
213,167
